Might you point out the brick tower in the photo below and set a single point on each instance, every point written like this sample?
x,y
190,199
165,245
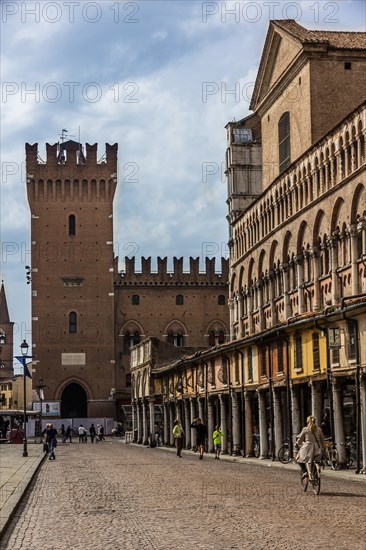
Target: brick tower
x,y
71,202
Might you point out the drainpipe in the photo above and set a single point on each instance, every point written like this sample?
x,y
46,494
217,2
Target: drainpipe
x,y
271,403
329,380
288,395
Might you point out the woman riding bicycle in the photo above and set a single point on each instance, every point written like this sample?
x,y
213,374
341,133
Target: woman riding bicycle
x,y
311,443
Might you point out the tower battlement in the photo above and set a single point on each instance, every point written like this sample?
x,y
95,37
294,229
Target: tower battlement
x,y
164,277
68,159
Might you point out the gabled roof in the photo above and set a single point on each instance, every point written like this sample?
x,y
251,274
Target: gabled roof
x,y
301,38
343,40
4,312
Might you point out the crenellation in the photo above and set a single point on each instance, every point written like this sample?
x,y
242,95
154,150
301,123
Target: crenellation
x,y
163,276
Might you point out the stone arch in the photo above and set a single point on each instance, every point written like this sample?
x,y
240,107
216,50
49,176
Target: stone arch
x,y
301,238
241,279
286,246
358,206
261,263
272,254
336,215
319,218
74,395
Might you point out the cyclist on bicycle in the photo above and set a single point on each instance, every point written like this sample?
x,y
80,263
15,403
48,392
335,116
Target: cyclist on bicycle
x,y
311,443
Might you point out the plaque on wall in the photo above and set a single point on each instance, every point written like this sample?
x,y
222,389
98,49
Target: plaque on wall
x,y
72,358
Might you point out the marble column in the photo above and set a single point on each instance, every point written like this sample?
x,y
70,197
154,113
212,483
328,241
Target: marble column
x,y
192,401
145,438
363,423
171,424
152,416
339,436
277,421
178,411
223,423
187,424
263,439
295,413
201,409
248,403
139,422
134,421
317,401
210,424
236,423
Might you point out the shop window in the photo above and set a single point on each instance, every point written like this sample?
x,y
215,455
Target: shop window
x,y
352,341
316,356
298,352
263,362
250,364
280,356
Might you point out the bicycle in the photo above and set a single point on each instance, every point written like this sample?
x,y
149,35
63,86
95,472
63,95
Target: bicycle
x,y
312,476
256,446
284,454
330,454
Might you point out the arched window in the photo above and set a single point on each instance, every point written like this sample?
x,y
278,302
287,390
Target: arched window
x,y
175,338
221,337
72,225
136,337
211,338
130,339
126,341
73,322
284,145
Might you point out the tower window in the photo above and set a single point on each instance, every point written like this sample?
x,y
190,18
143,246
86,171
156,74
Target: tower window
x,y
179,300
348,66
72,225
135,300
73,322
284,141
221,301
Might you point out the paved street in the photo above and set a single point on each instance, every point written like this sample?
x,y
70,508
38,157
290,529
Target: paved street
x,y
117,496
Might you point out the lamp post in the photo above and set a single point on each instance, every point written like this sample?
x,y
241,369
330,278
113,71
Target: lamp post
x,y
40,387
24,349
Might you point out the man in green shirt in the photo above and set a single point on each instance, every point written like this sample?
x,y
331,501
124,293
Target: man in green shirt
x,y
217,438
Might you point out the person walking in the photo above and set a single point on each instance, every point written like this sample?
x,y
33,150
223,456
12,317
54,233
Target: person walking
x,y
217,439
311,443
63,432
51,441
92,433
101,433
68,434
201,435
82,434
178,437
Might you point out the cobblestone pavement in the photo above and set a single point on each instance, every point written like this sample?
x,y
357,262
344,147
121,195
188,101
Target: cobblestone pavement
x,y
117,496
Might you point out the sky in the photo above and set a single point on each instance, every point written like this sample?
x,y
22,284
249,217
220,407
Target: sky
x,y
161,79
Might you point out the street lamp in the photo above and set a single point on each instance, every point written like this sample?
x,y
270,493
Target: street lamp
x,y
40,387
24,347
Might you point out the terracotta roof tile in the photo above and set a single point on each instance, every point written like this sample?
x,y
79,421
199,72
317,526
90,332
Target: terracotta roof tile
x,y
343,40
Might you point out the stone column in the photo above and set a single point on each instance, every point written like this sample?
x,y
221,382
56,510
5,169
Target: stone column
x,y
333,247
316,401
300,282
363,423
248,399
272,294
166,423
223,423
232,320
171,423
145,438
134,422
178,411
236,424
260,305
338,421
193,416
332,171
201,409
277,421
286,297
316,271
139,423
295,413
187,424
263,439
210,424
152,416
240,314
354,268
346,163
